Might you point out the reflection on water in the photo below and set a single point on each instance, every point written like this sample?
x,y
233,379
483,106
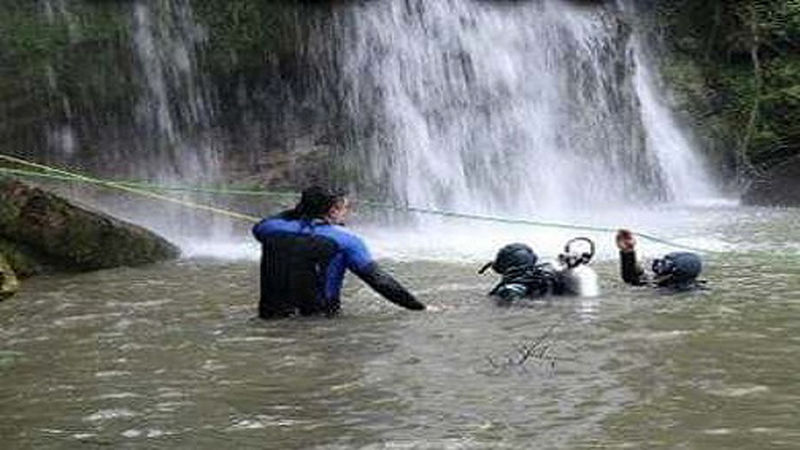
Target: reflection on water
x,y
170,355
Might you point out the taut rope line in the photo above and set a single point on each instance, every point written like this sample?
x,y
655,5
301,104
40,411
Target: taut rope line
x,y
141,188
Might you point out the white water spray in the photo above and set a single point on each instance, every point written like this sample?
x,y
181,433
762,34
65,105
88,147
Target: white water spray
x,y
687,178
537,109
518,108
175,109
526,109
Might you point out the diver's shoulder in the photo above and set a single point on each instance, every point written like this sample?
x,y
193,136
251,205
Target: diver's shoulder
x,y
277,224
278,220
342,234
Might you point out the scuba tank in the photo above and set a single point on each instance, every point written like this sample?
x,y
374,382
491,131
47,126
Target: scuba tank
x,y
576,277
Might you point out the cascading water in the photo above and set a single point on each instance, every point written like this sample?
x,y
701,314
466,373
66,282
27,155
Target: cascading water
x,y
174,110
167,135
523,107
176,113
155,119
537,109
687,179
61,137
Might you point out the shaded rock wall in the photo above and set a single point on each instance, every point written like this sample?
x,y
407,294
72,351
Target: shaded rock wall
x,y
735,68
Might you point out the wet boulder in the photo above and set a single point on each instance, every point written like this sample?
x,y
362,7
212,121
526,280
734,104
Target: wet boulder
x,y
39,231
8,279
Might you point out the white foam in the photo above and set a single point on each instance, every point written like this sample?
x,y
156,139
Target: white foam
x,y
132,433
231,250
108,414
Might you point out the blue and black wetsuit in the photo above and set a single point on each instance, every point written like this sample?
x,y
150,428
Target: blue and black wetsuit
x,y
303,263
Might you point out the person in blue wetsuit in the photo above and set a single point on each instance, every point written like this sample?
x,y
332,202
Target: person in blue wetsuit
x,y
305,253
677,271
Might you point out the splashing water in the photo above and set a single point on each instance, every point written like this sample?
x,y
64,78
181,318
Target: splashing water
x,y
510,108
526,109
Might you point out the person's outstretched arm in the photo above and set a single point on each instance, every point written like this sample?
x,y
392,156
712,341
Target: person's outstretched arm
x,y
385,284
360,262
632,273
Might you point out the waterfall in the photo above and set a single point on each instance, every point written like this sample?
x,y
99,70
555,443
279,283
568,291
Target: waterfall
x,y
536,108
151,115
508,107
60,137
175,109
481,106
162,124
686,176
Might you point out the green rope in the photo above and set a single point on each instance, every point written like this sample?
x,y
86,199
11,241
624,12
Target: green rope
x,y
155,187
137,191
536,223
133,186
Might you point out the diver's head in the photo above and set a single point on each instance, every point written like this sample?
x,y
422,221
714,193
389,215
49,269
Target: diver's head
x,y
317,202
677,268
514,255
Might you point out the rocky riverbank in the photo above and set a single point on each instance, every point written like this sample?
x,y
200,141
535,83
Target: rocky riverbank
x,y
41,232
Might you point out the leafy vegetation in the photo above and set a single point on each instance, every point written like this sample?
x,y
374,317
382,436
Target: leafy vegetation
x,y
736,65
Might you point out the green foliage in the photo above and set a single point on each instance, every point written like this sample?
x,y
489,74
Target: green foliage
x,y
31,38
747,53
61,63
75,63
245,34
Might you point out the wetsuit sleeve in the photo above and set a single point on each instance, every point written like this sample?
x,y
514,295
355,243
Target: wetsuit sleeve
x,y
388,287
356,254
360,262
632,272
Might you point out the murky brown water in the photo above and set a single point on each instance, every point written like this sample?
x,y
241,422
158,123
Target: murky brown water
x,y
171,356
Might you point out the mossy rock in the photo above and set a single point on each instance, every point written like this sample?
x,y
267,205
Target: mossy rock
x,y
43,229
9,284
26,261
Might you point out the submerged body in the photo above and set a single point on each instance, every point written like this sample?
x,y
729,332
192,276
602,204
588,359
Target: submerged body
x,y
676,271
523,278
545,279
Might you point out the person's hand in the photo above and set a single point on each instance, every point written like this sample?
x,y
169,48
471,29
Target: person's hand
x,y
626,242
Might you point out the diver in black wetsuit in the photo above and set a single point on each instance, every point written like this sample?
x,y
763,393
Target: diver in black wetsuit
x,y
676,271
305,253
522,277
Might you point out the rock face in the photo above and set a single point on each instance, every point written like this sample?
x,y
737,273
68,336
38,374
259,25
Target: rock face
x,y
8,280
780,187
40,231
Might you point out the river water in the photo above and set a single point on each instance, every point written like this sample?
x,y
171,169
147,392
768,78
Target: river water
x,y
171,355
536,108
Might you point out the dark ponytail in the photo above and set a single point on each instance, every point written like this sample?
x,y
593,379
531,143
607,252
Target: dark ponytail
x,y
315,202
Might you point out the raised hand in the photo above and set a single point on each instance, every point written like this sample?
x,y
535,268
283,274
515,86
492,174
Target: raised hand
x,y
626,242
